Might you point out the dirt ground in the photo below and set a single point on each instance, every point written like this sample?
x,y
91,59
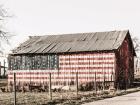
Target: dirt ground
x,y
58,98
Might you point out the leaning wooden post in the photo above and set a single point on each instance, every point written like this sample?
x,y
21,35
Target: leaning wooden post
x,y
77,84
114,81
50,87
111,77
0,69
4,68
104,82
111,81
95,85
14,88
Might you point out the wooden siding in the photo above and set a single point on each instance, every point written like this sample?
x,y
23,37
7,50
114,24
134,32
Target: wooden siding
x,y
86,64
125,64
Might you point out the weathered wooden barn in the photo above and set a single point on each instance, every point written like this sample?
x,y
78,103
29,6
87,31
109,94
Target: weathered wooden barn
x,y
104,57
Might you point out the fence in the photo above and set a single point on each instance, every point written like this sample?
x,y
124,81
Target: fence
x,y
64,92
60,83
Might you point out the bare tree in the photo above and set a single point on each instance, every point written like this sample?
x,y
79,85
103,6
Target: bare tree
x,y
4,35
136,43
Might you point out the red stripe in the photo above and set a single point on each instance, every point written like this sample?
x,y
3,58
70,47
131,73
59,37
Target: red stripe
x,y
67,59
83,68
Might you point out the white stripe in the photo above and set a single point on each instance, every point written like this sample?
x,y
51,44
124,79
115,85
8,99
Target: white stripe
x,y
45,71
97,65
60,75
87,56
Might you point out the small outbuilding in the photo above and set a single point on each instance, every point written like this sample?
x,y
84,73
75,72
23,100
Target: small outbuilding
x,y
101,57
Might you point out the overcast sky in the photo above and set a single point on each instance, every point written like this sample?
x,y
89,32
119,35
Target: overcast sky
x,y
43,17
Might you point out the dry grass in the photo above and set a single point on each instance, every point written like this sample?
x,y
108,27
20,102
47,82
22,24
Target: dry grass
x,y
59,98
35,98
3,82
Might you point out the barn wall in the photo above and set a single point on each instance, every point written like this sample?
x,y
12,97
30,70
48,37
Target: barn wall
x,y
86,64
125,64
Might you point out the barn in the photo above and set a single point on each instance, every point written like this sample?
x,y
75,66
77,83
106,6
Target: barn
x,y
97,57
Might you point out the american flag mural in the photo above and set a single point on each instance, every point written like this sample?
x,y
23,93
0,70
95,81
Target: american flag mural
x,y
85,64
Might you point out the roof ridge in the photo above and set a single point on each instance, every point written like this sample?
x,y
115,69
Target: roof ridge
x,y
78,33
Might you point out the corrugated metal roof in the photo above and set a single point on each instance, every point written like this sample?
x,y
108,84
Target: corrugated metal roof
x,y
72,42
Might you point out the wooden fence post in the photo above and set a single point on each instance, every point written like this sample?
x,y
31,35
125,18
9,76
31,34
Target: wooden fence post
x,y
95,85
14,88
114,81
0,69
77,84
104,83
111,77
4,68
50,87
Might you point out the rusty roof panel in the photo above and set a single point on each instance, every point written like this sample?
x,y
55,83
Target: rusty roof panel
x,y
72,42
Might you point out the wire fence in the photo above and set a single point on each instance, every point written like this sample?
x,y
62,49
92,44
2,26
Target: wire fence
x,y
60,93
